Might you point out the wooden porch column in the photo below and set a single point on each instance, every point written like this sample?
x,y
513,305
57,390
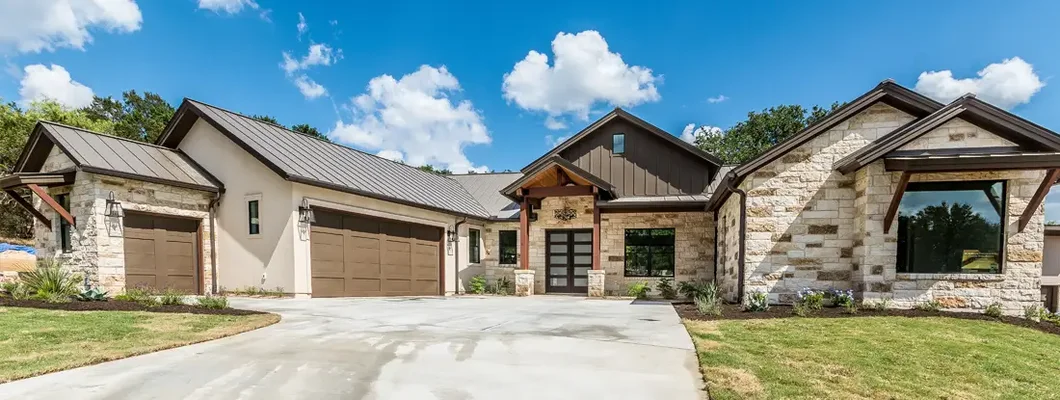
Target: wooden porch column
x,y
524,232
1050,178
895,201
596,228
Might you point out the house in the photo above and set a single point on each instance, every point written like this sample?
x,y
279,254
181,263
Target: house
x,y
893,195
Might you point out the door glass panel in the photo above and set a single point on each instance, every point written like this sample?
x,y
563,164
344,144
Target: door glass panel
x,y
557,271
558,248
558,237
581,271
581,281
561,259
558,281
583,259
583,248
583,237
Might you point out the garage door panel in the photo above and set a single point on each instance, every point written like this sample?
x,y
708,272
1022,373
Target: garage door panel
x,y
364,270
424,286
328,287
140,281
182,283
397,287
161,252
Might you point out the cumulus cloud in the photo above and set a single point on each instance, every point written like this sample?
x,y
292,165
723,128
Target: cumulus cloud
x,y
227,6
584,72
1006,84
553,141
53,83
691,132
554,124
302,26
720,98
413,119
319,54
309,88
32,26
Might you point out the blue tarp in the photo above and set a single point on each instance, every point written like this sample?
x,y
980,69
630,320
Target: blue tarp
x,y
8,246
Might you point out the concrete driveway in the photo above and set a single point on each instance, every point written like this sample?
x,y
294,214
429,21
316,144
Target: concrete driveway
x,y
543,347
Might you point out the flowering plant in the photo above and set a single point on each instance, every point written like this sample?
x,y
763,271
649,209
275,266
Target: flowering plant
x,y
811,299
842,298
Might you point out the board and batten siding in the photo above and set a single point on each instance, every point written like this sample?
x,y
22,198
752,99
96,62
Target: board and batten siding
x,y
650,166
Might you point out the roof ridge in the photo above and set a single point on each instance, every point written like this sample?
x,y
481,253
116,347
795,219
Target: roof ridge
x,y
49,122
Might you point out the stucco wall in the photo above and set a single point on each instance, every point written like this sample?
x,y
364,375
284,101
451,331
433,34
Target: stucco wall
x,y
1051,258
693,246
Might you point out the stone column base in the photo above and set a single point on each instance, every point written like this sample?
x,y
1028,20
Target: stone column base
x,y
596,283
524,282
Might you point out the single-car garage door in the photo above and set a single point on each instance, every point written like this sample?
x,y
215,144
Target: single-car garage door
x,y
355,255
161,252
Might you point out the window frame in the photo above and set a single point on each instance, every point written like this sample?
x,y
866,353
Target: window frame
x,y
513,246
652,248
614,149
474,246
903,264
251,224
64,234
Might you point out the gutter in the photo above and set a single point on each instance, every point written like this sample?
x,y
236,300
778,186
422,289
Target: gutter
x,y
456,252
743,239
213,242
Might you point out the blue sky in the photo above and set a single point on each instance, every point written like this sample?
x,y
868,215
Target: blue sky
x,y
665,63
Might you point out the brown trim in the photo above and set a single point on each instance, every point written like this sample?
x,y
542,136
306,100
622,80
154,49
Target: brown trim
x,y
1052,230
44,196
441,263
1022,161
189,106
957,151
563,178
596,230
1039,196
29,207
510,191
524,234
18,179
201,269
650,209
896,199
659,205
142,178
558,191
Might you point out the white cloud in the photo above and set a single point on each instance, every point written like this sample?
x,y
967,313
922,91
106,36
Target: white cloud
x,y
553,141
228,6
392,155
691,132
414,117
32,26
1006,84
555,124
720,98
309,88
319,54
43,83
302,26
584,73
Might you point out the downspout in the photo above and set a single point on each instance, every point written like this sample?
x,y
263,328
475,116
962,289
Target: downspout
x,y
456,252
213,242
743,240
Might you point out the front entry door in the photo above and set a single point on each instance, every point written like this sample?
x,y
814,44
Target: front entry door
x,y
569,257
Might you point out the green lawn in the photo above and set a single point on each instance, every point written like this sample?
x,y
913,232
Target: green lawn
x,y
876,357
35,341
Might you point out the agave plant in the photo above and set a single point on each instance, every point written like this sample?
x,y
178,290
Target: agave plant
x,y
92,294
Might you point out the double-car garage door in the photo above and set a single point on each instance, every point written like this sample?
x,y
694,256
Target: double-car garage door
x,y
356,255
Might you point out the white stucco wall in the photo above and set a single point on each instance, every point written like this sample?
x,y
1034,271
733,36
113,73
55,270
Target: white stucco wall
x,y
1051,261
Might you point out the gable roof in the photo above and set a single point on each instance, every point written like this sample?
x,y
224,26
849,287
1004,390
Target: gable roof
x,y
967,107
110,155
486,189
304,159
557,161
623,114
888,92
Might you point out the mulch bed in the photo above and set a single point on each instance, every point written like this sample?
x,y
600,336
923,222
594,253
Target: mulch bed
x,y
114,305
731,312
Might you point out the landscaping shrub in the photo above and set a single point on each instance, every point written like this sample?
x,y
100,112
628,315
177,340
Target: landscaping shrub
x,y
845,299
137,295
92,294
757,301
639,290
171,297
477,284
50,281
880,304
504,286
8,288
812,299
930,305
993,310
696,288
665,286
1033,313
274,292
709,301
213,302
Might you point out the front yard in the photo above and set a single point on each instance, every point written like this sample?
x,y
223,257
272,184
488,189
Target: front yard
x,y
875,357
35,341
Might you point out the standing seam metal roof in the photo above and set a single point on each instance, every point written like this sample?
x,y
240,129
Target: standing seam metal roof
x,y
486,188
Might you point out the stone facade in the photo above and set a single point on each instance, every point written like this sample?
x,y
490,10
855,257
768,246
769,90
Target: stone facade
x,y
957,133
693,246
97,245
728,248
492,269
546,220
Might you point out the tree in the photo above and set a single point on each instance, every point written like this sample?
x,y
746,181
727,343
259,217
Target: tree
x,y
439,171
266,118
760,131
135,117
940,234
309,130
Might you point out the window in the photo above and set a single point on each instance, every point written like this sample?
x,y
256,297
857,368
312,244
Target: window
x,y
474,254
650,252
253,217
508,251
64,226
951,227
618,143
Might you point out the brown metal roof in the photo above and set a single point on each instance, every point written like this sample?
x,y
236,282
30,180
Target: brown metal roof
x,y
114,156
486,188
510,190
973,162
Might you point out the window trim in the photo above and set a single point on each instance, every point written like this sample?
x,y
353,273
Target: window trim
x,y
474,246
64,235
246,204
615,136
514,246
941,186
648,274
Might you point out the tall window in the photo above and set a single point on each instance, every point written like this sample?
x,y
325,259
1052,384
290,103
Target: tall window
x,y
951,227
253,217
508,252
64,226
618,143
474,253
649,252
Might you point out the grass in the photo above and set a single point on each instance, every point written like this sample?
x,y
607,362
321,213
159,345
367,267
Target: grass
x,y
36,341
875,357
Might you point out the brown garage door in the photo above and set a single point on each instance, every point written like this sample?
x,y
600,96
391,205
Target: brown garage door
x,y
355,255
160,252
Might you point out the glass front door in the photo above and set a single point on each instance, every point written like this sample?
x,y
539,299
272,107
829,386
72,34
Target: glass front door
x,y
568,259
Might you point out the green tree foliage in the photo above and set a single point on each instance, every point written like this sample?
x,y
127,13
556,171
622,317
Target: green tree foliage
x,y
266,118
135,117
941,233
439,171
309,130
760,131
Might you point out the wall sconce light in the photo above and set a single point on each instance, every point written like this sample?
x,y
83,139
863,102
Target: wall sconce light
x,y
114,207
305,214
450,235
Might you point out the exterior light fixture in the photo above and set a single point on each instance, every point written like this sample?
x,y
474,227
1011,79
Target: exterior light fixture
x,y
114,207
450,235
305,214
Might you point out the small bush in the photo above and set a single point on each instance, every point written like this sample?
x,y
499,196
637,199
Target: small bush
x,y
504,286
137,295
50,280
171,297
810,299
696,288
52,297
639,290
881,304
709,301
842,298
213,302
665,286
477,285
17,291
8,288
757,302
930,306
275,292
92,294
993,310
1034,313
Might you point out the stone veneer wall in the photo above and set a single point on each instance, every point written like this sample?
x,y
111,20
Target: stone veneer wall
x,y
729,248
97,243
1018,285
493,270
583,205
957,133
693,242
800,211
